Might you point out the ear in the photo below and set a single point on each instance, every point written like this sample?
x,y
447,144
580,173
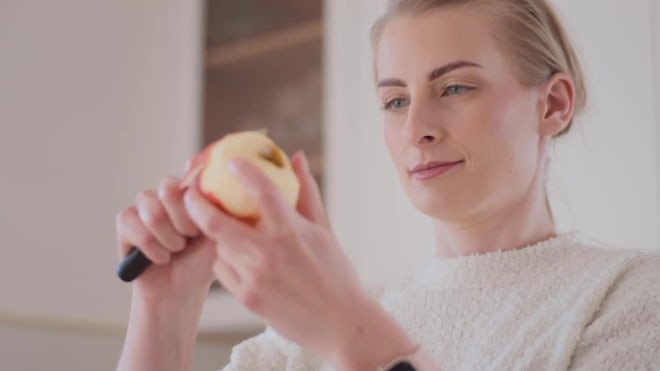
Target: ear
x,y
557,104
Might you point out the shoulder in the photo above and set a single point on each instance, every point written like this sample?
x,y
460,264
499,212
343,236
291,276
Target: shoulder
x,y
633,264
633,293
636,271
624,332
637,287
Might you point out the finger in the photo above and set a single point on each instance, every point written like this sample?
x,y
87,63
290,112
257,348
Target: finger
x,y
197,159
240,283
152,213
131,232
310,202
197,259
226,275
245,256
236,248
272,205
171,196
213,222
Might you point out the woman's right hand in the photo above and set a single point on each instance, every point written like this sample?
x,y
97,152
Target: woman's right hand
x,y
158,224
169,295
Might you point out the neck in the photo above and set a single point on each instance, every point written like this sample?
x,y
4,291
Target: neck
x,y
524,223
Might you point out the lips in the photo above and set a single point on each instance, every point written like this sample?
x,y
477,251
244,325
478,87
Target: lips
x,y
432,169
432,165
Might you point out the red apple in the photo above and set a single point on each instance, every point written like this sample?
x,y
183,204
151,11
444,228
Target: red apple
x,y
209,172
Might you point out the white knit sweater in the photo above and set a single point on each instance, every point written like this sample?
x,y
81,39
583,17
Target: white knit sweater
x,y
565,303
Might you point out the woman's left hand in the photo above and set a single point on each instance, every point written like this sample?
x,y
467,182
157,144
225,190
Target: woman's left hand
x,y
288,268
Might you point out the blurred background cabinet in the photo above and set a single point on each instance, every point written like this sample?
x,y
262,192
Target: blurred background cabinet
x,y
263,69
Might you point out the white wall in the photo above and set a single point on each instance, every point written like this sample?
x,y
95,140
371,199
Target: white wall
x,y
604,176
607,173
40,349
654,17
98,100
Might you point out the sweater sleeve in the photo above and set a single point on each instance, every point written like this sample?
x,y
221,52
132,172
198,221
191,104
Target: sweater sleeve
x,y
266,351
625,332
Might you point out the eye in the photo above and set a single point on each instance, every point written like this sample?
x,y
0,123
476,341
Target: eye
x,y
455,90
394,104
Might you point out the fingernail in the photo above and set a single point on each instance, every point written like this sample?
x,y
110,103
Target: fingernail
x,y
187,197
306,163
166,258
233,167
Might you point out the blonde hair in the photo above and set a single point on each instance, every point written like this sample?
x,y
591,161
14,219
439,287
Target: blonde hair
x,y
528,30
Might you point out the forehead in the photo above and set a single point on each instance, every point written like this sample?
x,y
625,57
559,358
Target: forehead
x,y
411,45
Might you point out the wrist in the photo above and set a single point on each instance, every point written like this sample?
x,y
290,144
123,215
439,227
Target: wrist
x,y
371,339
171,300
169,294
166,309
161,334
174,318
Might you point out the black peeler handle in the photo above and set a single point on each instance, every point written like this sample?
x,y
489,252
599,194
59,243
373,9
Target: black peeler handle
x,y
133,265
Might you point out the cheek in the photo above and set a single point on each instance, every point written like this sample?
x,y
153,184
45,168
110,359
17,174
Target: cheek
x,y
499,114
507,145
393,143
506,127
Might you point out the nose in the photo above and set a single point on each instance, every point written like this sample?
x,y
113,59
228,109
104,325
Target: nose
x,y
422,127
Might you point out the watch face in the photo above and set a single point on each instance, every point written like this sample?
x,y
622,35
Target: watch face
x,y
403,366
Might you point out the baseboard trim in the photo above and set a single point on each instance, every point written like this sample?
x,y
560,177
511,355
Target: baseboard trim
x,y
93,328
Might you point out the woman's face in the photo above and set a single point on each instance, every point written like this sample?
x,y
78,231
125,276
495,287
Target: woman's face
x,y
451,97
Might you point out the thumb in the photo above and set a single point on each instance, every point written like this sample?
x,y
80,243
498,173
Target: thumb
x,y
198,259
310,202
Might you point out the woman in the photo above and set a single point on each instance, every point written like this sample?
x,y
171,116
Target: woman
x,y
473,93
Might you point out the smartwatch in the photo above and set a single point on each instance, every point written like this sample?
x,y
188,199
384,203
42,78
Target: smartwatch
x,y
417,360
402,366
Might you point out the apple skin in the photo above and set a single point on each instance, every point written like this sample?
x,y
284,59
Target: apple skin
x,y
209,172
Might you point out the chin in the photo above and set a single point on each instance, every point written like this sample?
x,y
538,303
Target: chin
x,y
436,204
444,200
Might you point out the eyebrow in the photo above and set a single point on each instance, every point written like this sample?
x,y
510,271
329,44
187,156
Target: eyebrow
x,y
434,74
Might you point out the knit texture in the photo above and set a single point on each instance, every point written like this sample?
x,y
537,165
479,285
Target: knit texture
x,y
565,303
